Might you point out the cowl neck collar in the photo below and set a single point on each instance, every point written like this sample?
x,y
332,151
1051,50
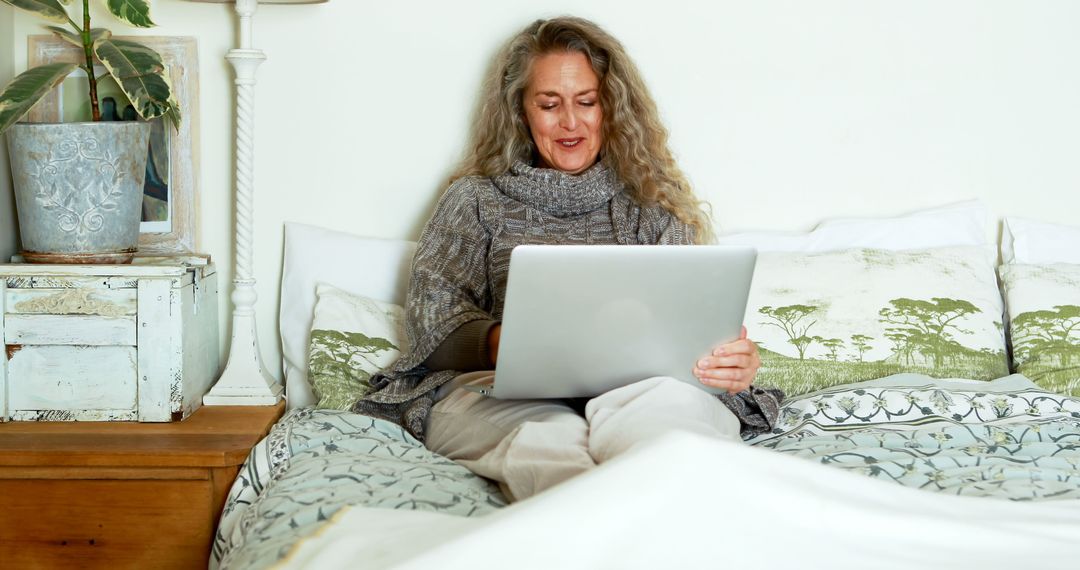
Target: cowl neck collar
x,y
558,193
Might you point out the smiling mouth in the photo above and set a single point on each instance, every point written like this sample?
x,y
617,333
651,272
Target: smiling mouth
x,y
569,143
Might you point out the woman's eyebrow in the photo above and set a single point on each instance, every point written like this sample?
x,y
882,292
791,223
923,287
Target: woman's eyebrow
x,y
557,94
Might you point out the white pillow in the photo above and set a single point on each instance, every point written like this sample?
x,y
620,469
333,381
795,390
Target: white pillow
x,y
375,268
1029,241
961,224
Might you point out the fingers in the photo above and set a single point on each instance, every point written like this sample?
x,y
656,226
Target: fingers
x,y
731,366
730,379
741,346
733,378
731,375
729,361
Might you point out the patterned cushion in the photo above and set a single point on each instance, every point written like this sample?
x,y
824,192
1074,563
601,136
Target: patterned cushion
x,y
352,337
824,319
1044,315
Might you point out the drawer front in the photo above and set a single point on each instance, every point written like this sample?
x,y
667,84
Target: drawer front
x,y
155,523
72,378
101,302
69,330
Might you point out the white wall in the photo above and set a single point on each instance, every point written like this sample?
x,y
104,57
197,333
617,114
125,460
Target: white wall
x,y
783,112
8,231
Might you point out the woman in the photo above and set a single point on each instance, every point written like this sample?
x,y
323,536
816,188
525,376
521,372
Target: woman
x,y
568,148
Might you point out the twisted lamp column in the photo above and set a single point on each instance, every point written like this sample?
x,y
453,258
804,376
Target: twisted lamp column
x,y
245,382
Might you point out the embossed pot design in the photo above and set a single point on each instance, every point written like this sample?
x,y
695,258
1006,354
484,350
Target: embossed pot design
x,y
78,189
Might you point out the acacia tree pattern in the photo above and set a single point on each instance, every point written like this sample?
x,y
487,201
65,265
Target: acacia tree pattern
x,y
861,343
1048,335
920,330
340,361
926,327
833,345
790,320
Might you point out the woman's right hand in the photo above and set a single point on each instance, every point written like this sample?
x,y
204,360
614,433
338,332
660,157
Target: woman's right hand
x,y
493,344
730,366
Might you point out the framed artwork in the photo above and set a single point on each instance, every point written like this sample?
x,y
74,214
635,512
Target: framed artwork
x,y
170,199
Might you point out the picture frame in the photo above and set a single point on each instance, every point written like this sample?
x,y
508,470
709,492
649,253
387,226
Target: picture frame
x,y
176,230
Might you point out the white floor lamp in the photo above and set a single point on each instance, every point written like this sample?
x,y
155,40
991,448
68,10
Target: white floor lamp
x,y
245,382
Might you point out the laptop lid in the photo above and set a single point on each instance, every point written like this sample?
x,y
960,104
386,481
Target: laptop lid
x,y
580,320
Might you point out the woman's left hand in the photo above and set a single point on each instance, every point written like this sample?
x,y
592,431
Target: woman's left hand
x,y
730,366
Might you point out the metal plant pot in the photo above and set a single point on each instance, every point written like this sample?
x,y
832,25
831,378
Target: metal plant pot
x,y
78,189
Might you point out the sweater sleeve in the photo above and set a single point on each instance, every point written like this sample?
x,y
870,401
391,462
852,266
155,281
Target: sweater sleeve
x,y
465,349
449,284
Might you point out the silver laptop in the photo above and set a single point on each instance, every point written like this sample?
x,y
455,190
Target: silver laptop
x,y
581,320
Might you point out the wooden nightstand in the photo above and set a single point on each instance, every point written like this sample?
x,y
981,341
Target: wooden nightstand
x,y
121,495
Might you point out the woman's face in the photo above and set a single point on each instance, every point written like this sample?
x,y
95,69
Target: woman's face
x,y
562,110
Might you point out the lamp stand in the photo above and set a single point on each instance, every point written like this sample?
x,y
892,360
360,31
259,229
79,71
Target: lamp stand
x,y
245,382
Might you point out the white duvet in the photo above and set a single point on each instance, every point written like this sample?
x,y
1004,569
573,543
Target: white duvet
x,y
742,507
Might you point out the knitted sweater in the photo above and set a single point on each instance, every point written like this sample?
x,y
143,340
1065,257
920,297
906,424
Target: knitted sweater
x,y
462,262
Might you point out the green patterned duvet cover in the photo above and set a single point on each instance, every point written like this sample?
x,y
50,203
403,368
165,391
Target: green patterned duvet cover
x,y
315,462
1006,439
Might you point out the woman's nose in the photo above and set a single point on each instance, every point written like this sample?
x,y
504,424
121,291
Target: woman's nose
x,y
568,119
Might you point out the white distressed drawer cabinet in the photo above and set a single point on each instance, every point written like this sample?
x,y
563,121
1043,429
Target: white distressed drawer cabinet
x,y
108,342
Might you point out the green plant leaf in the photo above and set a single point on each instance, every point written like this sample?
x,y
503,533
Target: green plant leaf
x,y
134,12
27,89
66,35
173,114
96,35
49,9
141,75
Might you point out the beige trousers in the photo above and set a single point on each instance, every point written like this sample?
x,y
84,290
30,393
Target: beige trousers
x,y
530,445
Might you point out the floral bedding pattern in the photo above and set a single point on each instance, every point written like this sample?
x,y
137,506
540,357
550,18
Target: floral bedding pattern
x,y
1007,438
315,462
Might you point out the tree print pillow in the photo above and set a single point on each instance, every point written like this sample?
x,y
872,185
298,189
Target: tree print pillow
x,y
824,319
1044,323
352,337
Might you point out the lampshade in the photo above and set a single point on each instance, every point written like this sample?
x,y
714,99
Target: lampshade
x,y
266,1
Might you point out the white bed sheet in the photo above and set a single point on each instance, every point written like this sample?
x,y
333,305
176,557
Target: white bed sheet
x,y
745,507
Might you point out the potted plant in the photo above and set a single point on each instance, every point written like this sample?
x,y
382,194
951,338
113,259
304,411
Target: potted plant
x,y
78,186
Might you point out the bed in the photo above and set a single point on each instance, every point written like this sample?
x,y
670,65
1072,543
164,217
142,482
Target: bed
x,y
873,462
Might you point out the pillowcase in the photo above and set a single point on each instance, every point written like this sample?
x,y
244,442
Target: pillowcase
x,y
954,225
1044,323
375,268
352,337
1028,241
823,319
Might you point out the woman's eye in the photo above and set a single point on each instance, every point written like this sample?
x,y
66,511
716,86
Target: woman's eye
x,y
587,103
547,106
